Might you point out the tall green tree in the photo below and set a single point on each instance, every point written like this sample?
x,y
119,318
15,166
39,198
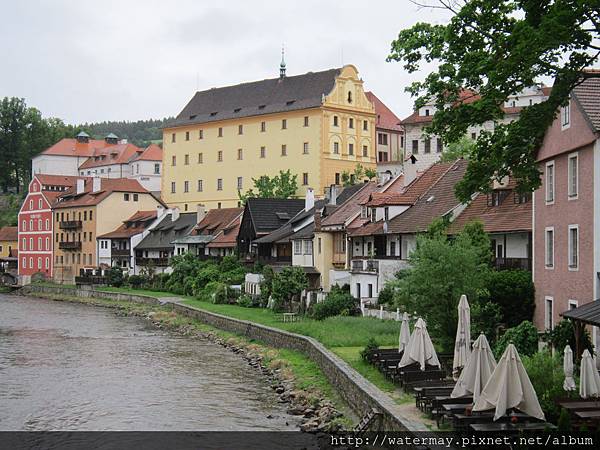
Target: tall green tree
x,y
497,48
283,185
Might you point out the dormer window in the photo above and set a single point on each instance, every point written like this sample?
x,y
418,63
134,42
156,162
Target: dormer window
x,y
364,212
373,214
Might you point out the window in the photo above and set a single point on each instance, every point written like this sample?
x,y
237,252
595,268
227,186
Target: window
x,y
573,304
40,203
335,121
219,184
305,148
157,169
550,247
382,138
240,129
283,124
337,178
219,205
47,263
30,205
336,148
173,137
365,150
473,135
415,146
350,122
31,224
305,179
199,185
187,135
186,160
85,215
186,186
351,149
308,247
240,183
440,146
427,112
47,224
25,244
522,197
39,224
173,160
565,116
365,125
40,244
172,187
126,197
297,247
200,134
349,96
200,158
220,131
573,247
263,152
573,175
319,245
549,180
549,313
305,121
91,215
263,127
240,154
283,150
386,213
427,143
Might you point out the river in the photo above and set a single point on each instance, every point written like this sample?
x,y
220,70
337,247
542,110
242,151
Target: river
x,y
66,366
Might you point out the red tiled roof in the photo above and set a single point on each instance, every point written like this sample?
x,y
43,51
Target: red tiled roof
x,y
134,225
228,236
114,154
507,217
70,147
386,119
9,234
151,153
88,198
350,207
216,220
57,180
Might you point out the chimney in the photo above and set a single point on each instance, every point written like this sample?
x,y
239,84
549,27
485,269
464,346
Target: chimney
x,y
174,214
160,211
80,186
96,184
201,213
410,170
309,201
333,194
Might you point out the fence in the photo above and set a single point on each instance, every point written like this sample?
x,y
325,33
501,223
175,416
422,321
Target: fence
x,y
381,313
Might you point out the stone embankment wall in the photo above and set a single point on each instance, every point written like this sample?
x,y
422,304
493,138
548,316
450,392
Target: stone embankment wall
x,y
359,393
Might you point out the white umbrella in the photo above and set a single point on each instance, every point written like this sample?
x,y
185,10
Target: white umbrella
x,y
462,344
589,383
509,387
404,333
569,383
478,370
420,348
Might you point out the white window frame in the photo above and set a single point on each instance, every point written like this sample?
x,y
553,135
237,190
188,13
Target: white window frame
x,y
547,185
297,247
546,230
548,326
565,116
574,303
573,195
575,267
308,247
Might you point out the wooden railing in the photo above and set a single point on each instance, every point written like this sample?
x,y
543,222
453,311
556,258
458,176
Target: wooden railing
x,y
69,224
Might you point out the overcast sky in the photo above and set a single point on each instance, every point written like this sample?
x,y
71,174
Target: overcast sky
x,y
128,60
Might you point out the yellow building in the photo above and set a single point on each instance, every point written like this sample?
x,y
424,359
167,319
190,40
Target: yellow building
x,y
8,241
318,125
92,208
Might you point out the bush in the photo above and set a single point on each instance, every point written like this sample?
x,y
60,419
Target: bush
x,y
524,337
371,346
135,281
547,377
564,333
514,291
285,285
245,301
338,302
215,292
115,276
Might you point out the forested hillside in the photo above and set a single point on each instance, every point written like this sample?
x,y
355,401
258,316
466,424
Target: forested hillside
x,y
140,132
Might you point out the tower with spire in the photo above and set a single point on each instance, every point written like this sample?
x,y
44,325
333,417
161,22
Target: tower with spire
x,y
282,64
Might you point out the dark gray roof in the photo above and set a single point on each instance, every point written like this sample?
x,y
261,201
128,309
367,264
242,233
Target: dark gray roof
x,y
163,234
268,214
258,97
286,231
588,313
348,192
587,94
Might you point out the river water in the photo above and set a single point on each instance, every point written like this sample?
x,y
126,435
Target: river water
x,y
66,366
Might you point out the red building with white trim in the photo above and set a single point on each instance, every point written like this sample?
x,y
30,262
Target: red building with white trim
x,y
36,225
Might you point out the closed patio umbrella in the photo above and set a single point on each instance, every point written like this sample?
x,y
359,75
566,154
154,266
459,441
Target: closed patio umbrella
x,y
509,387
462,344
404,333
569,383
477,372
589,383
420,348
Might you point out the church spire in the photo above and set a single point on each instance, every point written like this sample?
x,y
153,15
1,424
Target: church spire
x,y
282,64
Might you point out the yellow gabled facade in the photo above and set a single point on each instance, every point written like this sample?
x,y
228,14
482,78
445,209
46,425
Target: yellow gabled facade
x,y
208,162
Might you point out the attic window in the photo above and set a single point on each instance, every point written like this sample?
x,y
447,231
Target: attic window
x,y
282,215
193,116
261,106
212,114
430,199
290,102
237,110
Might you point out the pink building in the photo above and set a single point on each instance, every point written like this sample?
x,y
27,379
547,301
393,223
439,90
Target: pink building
x,y
566,209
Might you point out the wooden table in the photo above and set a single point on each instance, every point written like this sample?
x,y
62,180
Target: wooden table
x,y
580,406
289,317
494,427
595,414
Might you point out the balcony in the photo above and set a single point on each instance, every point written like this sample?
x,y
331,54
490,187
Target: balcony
x,y
365,265
120,252
339,258
156,262
73,245
512,263
70,224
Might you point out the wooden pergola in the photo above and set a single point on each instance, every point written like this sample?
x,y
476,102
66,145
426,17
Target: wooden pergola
x,y
588,314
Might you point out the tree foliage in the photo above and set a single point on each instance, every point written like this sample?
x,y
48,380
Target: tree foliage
x,y
283,185
285,285
524,337
459,149
514,292
497,48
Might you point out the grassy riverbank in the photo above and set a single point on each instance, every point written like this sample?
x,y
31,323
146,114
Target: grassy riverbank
x,y
292,367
